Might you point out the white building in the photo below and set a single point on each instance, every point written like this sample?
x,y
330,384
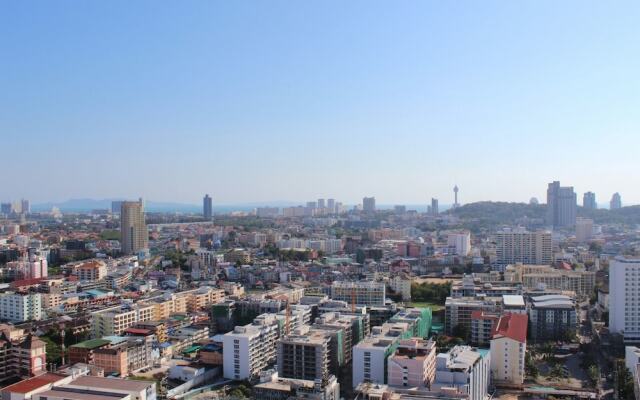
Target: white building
x,y
370,355
624,300
251,348
463,371
19,307
521,246
401,283
461,241
508,348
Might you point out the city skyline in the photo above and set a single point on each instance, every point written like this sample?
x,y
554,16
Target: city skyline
x,y
396,101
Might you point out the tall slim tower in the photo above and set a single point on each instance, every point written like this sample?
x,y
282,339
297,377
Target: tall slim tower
x,y
133,230
455,195
207,208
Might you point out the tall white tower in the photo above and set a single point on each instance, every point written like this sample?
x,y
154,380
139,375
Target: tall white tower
x,y
455,195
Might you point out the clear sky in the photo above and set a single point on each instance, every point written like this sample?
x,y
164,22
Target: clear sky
x,y
269,100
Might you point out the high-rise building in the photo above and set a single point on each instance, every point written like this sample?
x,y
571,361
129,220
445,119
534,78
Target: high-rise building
x,y
561,205
369,204
365,293
304,355
434,207
21,307
616,201
331,205
521,246
321,203
251,348
207,208
589,201
133,230
584,229
312,204
460,241
25,206
6,208
624,302
116,206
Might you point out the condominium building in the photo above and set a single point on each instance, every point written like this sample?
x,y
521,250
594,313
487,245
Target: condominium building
x,y
401,284
369,204
584,229
114,321
367,293
508,348
133,230
589,201
460,242
413,364
521,246
207,208
20,307
616,201
370,355
552,317
304,355
463,371
458,311
482,326
561,205
251,348
624,297
582,283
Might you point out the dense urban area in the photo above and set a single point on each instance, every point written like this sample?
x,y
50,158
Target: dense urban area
x,y
322,301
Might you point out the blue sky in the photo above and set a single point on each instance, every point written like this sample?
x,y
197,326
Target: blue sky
x,y
273,100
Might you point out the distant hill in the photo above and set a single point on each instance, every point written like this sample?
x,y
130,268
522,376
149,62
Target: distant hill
x,y
498,213
503,213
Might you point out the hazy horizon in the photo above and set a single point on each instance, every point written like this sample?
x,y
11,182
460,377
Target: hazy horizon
x,y
255,101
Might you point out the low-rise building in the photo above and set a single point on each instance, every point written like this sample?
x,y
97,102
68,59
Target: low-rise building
x,y
413,364
463,371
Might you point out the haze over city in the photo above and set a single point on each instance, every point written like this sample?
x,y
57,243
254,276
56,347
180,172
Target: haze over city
x,y
272,101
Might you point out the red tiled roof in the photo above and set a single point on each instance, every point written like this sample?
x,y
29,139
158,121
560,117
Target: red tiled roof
x,y
32,384
138,331
513,326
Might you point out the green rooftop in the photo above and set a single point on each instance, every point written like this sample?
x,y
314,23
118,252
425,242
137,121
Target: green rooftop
x,y
92,344
191,349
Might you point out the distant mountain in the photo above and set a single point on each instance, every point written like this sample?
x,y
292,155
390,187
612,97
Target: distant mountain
x,y
501,213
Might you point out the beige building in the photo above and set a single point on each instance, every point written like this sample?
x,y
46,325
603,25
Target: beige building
x,y
508,348
533,276
133,230
113,321
521,246
413,364
304,355
94,270
401,284
365,293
